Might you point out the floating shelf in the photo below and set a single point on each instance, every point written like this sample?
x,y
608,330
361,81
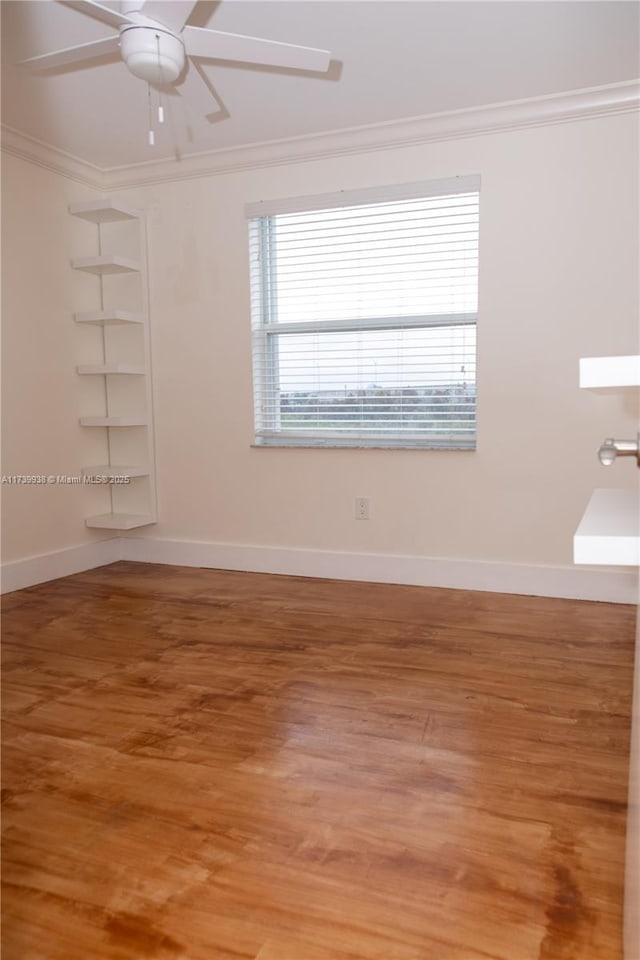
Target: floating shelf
x,y
103,211
112,422
106,264
609,532
119,521
107,470
102,369
105,317
597,373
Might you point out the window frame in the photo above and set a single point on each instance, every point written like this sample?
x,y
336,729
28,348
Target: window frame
x,y
267,330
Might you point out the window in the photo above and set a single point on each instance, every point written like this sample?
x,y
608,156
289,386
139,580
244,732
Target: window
x,y
364,309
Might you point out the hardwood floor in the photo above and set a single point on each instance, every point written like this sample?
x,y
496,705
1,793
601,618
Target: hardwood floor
x,y
206,765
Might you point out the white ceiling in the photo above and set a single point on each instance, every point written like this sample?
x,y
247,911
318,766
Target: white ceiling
x,y
393,59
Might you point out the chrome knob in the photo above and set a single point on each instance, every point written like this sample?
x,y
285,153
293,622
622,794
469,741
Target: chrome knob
x,y
611,449
607,452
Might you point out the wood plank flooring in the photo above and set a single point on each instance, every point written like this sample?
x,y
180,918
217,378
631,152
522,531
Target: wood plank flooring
x,y
207,765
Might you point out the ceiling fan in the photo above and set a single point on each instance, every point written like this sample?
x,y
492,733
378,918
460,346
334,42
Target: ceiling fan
x,y
156,44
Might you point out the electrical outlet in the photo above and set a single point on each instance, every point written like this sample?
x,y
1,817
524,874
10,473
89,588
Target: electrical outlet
x,y
362,508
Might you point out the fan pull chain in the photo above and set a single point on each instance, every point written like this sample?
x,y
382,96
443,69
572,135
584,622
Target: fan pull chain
x,y
160,107
152,136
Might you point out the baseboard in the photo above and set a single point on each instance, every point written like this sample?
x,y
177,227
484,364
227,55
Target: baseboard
x,y
613,586
17,574
576,583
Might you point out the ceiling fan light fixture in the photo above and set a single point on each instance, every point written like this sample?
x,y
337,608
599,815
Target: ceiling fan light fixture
x,y
153,54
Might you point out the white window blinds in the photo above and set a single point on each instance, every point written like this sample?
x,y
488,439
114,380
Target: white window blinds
x,y
364,318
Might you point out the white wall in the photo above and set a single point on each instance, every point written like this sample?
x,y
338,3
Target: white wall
x,y
559,280
40,342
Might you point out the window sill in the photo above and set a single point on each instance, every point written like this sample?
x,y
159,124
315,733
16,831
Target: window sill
x,y
467,448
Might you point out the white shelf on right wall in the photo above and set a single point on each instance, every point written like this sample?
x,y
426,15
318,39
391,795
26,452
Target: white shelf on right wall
x,y
609,532
598,373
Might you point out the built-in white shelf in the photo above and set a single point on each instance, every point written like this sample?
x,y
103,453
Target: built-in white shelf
x,y
597,373
119,250
112,422
120,521
103,211
106,317
609,532
105,264
102,369
108,470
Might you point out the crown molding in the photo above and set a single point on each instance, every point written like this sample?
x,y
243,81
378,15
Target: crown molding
x,y
493,118
18,144
585,104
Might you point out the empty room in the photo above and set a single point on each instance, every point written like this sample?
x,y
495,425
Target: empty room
x,y
320,449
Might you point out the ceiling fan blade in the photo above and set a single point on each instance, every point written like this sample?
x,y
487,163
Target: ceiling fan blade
x,y
84,51
171,13
215,45
99,12
199,98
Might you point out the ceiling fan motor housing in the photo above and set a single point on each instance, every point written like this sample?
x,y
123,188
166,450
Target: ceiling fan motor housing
x,y
152,53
